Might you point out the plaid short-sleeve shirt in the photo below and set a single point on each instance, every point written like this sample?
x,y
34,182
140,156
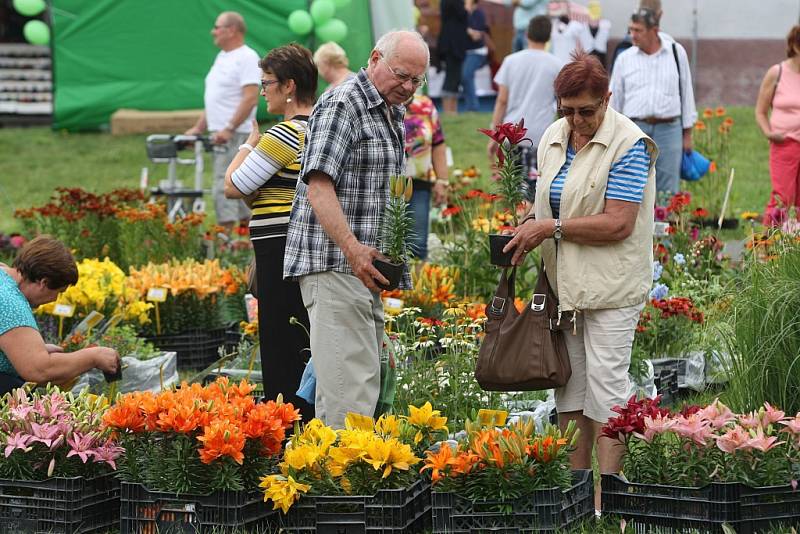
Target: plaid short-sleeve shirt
x,y
351,139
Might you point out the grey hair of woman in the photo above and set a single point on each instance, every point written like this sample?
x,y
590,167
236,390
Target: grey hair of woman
x,y
388,44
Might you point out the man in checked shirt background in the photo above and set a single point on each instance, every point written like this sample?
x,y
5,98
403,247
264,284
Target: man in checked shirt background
x,y
651,84
354,143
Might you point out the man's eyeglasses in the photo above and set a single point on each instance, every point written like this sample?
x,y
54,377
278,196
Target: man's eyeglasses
x,y
267,83
586,113
402,77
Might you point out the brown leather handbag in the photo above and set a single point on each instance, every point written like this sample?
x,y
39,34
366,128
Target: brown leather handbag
x,y
523,351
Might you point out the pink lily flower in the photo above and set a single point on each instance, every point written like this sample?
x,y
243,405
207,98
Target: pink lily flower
x,y
771,415
108,453
82,445
693,427
44,433
717,414
792,425
750,420
655,426
21,412
761,442
17,441
734,439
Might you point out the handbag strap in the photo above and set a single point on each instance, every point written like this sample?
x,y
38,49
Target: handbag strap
x,y
505,292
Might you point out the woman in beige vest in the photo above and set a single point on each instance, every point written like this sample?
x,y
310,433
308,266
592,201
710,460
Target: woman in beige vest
x,y
593,218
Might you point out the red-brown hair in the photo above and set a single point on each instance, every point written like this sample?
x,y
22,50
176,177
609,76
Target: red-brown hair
x,y
583,73
44,258
792,41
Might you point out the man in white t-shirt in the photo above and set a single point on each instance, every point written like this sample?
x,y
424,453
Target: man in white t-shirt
x,y
231,96
568,34
525,91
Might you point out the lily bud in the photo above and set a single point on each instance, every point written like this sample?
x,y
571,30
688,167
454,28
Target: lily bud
x,y
409,189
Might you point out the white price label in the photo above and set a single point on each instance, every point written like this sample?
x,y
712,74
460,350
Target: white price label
x,y
157,294
64,310
393,305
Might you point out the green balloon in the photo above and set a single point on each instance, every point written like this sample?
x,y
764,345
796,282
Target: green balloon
x,y
322,11
29,8
333,30
300,22
341,3
36,32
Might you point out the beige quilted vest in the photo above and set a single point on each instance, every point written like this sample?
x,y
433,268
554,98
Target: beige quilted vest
x,y
588,277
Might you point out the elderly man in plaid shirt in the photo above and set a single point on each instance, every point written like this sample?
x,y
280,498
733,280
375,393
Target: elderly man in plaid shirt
x,y
353,145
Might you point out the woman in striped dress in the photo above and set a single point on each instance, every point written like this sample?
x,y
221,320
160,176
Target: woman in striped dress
x,y
264,173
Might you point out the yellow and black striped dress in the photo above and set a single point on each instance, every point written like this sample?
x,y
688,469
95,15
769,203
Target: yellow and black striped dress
x,y
271,171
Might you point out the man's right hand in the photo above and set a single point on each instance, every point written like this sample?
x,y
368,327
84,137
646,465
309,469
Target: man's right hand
x,y
360,257
192,131
106,359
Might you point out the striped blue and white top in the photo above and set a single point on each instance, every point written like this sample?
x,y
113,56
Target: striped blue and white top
x,y
626,179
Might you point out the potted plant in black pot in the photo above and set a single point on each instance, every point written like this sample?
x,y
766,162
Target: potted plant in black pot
x,y
396,232
510,185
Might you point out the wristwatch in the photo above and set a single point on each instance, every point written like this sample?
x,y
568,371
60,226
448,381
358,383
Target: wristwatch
x,y
557,231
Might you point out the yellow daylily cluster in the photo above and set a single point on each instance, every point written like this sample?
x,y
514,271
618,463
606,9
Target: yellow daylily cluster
x,y
494,223
201,278
320,455
102,287
432,284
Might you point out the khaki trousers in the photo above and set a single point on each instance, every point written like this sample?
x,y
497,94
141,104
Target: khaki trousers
x,y
347,327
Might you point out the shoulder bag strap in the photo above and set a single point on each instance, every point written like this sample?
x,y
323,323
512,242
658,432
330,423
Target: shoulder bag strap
x,y
680,87
505,293
777,81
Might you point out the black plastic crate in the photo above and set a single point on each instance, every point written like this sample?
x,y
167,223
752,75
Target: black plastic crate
x,y
406,510
196,349
546,510
672,508
59,505
149,512
765,507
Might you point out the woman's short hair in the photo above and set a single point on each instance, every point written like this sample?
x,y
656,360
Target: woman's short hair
x,y
331,54
584,73
293,62
45,258
793,41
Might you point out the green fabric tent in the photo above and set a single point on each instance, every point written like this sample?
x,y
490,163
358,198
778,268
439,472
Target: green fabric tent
x,y
155,54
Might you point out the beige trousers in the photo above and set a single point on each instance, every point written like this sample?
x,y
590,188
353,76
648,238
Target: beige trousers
x,y
346,322
600,354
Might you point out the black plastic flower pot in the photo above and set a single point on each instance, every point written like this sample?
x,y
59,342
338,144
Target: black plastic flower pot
x,y
393,272
496,254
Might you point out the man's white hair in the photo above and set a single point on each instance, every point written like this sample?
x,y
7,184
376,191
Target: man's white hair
x,y
388,43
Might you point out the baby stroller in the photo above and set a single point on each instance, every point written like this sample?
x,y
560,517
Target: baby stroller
x,y
163,148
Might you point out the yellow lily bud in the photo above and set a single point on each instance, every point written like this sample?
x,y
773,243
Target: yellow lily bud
x,y
409,189
392,182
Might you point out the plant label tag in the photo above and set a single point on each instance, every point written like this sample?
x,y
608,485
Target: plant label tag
x,y
492,418
113,321
90,321
157,294
64,310
661,229
360,422
392,305
251,305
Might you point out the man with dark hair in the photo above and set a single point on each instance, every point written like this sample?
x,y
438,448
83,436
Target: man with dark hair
x,y
651,84
525,91
231,96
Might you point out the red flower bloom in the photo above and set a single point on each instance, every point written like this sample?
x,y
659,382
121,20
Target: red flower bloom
x,y
700,212
451,210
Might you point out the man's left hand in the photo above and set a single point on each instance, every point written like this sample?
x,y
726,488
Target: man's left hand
x,y
222,137
687,140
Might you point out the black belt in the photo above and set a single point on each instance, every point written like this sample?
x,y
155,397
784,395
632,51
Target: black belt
x,y
656,120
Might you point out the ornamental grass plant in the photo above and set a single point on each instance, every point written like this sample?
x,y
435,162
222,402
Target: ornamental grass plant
x,y
197,439
50,433
761,329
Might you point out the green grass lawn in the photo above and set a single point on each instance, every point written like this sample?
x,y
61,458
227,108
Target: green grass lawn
x,y
34,161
